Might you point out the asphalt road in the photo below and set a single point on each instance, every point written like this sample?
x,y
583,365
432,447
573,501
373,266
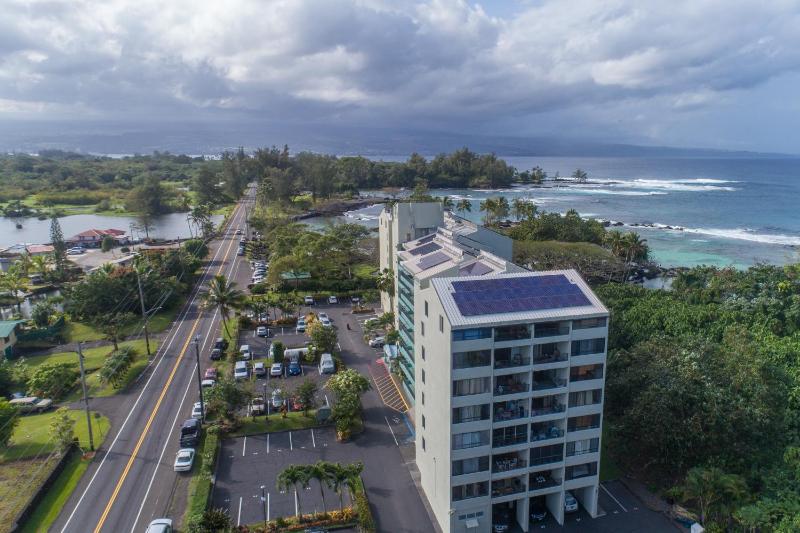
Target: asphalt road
x,y
131,481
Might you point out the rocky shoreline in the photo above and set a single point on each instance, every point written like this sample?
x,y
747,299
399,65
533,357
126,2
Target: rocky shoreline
x,y
338,208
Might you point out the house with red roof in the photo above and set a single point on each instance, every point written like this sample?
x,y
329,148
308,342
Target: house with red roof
x,y
93,237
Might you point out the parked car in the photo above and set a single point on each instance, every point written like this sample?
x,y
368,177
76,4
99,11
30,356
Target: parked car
x,y
301,325
208,383
211,373
538,511
77,250
262,331
570,503
326,364
377,342
31,404
216,354
260,370
240,371
197,411
333,300
323,316
276,370
244,351
184,460
257,406
295,369
277,398
326,323
160,525
308,300
221,344
190,433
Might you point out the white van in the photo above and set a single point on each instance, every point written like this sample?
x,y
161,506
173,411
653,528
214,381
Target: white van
x,y
326,364
241,371
294,354
244,351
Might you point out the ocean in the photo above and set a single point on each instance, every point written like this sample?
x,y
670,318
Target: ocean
x,y
723,212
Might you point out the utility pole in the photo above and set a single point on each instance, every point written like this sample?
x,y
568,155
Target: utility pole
x,y
199,379
85,398
144,313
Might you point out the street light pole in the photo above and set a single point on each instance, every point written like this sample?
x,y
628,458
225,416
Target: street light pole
x,y
264,506
199,379
85,398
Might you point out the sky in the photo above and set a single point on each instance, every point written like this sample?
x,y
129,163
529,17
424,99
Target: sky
x,y
695,73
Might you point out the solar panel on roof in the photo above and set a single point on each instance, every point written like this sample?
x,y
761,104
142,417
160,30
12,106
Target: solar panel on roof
x,y
425,249
432,260
475,269
515,294
426,238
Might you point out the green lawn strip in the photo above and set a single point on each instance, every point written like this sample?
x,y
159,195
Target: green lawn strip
x,y
82,332
32,435
200,484
294,420
608,468
50,506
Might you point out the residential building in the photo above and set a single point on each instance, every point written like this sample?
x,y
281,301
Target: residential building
x,y
94,237
509,379
8,336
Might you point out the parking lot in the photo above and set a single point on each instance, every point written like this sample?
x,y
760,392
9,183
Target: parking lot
x,y
247,463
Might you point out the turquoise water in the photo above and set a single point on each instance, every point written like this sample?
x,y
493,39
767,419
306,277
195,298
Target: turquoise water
x,y
736,211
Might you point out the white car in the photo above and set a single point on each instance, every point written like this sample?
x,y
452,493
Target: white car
x,y
240,371
75,251
262,331
276,370
301,326
326,322
308,300
160,525
277,400
184,460
333,300
570,503
244,351
323,316
207,383
377,342
197,410
239,232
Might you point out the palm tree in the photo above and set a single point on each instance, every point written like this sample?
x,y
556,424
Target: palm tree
x,y
464,206
304,476
489,206
614,241
502,208
447,203
520,208
353,475
24,263
337,477
580,176
223,295
710,487
322,473
40,263
636,247
385,283
14,282
290,478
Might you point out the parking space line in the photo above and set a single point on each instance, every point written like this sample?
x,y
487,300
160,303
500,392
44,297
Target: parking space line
x,y
296,506
313,442
244,445
267,442
390,429
291,446
239,517
613,498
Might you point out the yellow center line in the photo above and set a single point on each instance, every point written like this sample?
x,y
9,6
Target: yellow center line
x,y
128,466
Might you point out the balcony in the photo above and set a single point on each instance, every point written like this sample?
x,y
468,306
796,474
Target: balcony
x,y
584,376
507,463
543,481
541,433
515,332
546,460
550,329
509,440
548,410
548,353
509,411
506,487
510,386
504,358
548,382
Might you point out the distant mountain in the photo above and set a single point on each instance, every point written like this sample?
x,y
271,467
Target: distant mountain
x,y
213,138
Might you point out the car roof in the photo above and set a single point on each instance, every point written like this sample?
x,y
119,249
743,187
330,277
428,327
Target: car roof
x,y
190,423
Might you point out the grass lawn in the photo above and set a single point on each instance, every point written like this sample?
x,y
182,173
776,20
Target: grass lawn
x,y
365,270
48,508
294,420
32,435
582,249
82,332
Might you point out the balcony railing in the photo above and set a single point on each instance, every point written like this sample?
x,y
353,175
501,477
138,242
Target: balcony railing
x,y
543,482
513,333
546,434
502,415
513,387
549,383
547,460
550,331
509,463
499,442
593,449
542,359
504,489
588,375
549,410
513,361
582,428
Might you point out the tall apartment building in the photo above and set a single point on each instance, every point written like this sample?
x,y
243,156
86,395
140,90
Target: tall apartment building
x,y
509,381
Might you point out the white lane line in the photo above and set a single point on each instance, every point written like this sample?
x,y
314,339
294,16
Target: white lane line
x,y
291,447
296,506
390,429
313,441
244,445
239,517
613,498
267,442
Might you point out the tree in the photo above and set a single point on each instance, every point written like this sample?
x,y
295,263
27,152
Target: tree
x,y
324,338
521,209
277,350
52,380
447,203
348,381
464,206
711,489
223,296
59,245
196,248
538,175
293,476
149,198
9,418
489,206
205,187
107,244
112,326
41,313
40,264
62,429
200,216
226,397
385,283
24,263
580,176
14,282
306,395
321,472
116,366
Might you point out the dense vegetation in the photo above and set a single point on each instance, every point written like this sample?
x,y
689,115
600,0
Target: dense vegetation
x,y
703,388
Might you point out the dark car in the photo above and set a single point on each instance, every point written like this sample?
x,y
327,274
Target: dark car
x,y
221,344
190,433
294,369
216,354
538,511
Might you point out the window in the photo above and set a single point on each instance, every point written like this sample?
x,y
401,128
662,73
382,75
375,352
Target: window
x,y
426,307
423,421
423,444
466,387
512,332
578,423
587,397
423,375
441,323
471,334
582,373
470,413
470,490
422,328
470,466
423,398
423,353
472,359
587,323
584,470
509,436
547,454
472,439
588,346
580,447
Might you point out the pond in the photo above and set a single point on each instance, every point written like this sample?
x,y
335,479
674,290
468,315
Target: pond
x,y
7,311
34,231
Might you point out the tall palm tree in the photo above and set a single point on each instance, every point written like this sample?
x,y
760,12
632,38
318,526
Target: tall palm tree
x,y
224,296
636,247
321,472
14,282
353,475
464,206
24,263
614,241
290,478
503,208
385,283
519,209
447,203
489,206
337,477
40,263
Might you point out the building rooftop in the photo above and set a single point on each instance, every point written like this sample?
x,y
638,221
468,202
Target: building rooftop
x,y
517,297
7,326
